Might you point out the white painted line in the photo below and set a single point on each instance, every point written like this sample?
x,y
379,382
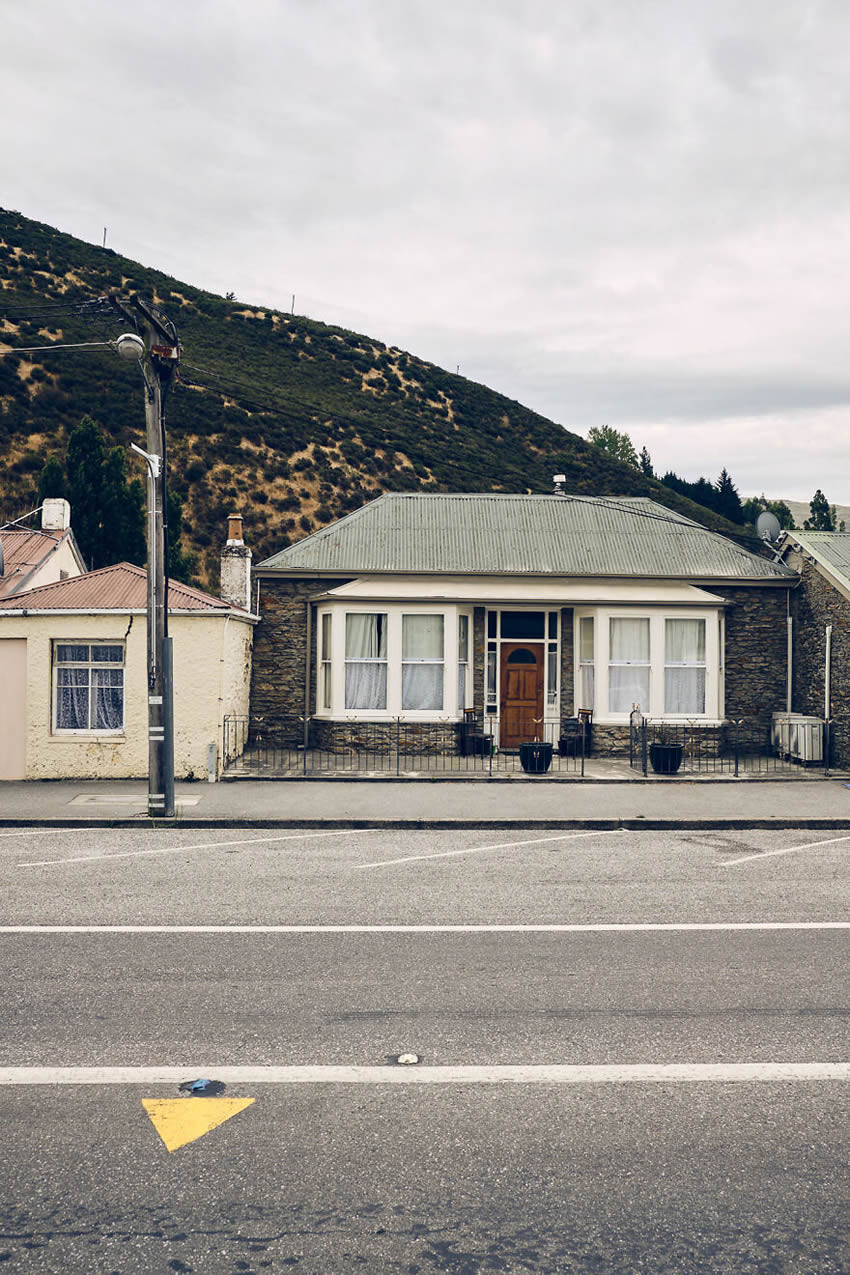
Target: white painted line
x,y
51,832
617,927
502,845
545,1074
204,845
768,854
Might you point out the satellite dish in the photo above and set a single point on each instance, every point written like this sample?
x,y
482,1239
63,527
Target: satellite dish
x,y
767,526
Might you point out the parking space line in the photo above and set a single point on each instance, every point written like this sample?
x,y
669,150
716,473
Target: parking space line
x,y
614,927
204,845
544,1073
768,854
503,845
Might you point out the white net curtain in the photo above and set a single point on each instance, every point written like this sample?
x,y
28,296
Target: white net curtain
x,y
89,696
366,660
684,666
422,662
628,671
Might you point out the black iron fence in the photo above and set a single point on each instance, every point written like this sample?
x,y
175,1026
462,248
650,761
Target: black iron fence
x,y
742,746
295,745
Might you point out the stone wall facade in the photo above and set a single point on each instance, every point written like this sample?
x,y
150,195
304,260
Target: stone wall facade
x,y
756,650
816,604
280,644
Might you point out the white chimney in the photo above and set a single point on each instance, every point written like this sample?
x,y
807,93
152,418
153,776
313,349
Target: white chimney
x,y
55,514
236,566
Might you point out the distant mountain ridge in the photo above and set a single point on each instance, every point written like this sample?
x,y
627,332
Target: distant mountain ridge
x,y
289,421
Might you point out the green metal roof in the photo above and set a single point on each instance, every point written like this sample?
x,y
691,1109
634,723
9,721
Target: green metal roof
x,y
494,534
830,549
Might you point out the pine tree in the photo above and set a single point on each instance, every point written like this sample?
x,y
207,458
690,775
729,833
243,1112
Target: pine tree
x,y
821,516
728,500
645,462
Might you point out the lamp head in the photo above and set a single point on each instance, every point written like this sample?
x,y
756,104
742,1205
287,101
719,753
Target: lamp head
x,y
130,346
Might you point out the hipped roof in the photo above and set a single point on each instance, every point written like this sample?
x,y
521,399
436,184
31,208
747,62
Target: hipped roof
x,y
494,534
122,587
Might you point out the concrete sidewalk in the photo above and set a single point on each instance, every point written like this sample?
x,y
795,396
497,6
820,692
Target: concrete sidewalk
x,y
520,803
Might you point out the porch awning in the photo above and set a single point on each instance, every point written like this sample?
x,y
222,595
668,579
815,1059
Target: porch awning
x,y
492,591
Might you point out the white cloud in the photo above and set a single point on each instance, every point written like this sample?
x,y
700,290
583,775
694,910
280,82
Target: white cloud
x,y
633,214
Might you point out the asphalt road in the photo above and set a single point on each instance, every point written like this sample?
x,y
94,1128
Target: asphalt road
x,y
526,953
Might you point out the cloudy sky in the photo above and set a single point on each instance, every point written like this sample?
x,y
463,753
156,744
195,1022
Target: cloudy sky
x,y
624,212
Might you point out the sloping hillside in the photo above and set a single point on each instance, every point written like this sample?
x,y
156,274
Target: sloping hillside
x,y
291,421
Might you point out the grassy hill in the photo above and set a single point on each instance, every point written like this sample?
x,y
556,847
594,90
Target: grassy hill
x,y
290,421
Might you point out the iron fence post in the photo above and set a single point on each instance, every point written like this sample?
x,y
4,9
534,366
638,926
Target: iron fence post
x,y
737,746
827,741
397,745
643,745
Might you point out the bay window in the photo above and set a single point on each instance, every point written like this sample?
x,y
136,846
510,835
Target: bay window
x,y
670,665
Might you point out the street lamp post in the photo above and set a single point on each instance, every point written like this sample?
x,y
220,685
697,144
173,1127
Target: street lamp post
x,y
157,354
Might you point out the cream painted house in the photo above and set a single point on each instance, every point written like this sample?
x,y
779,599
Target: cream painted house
x,y
73,665
29,557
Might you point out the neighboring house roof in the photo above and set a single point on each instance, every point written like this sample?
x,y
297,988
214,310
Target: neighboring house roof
x,y
26,552
829,549
494,534
119,588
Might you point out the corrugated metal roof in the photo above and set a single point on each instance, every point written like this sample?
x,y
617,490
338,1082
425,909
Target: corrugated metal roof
x,y
831,549
493,534
23,551
119,588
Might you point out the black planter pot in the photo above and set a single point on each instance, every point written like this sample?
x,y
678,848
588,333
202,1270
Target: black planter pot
x,y
665,759
535,759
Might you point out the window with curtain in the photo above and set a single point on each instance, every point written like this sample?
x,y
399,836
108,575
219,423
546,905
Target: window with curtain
x,y
88,686
421,662
365,660
327,666
462,660
586,665
628,664
684,666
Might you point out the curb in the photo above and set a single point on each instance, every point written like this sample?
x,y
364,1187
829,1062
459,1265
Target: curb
x,y
636,823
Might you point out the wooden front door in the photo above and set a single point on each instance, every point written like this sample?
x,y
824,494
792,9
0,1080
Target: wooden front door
x,y
521,692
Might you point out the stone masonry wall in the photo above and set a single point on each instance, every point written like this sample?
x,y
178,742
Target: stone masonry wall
x,y
756,650
280,640
815,605
567,673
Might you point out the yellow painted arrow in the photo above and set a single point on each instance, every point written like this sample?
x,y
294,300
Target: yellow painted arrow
x,y
182,1120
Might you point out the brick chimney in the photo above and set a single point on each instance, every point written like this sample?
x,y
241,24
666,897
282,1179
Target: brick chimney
x,y
55,514
236,566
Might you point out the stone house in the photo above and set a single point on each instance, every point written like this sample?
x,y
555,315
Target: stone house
x,y
820,631
73,672
523,610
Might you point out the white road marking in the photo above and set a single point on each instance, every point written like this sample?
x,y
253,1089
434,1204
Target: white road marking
x,y
503,845
617,927
767,854
546,1073
204,845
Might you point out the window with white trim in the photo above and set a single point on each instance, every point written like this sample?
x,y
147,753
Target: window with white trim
x,y
684,667
327,660
88,687
421,662
628,663
463,686
366,660
669,662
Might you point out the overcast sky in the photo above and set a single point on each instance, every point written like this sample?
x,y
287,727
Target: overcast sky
x,y
624,212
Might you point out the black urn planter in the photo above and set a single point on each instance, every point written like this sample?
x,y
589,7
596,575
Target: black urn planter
x,y
535,758
665,759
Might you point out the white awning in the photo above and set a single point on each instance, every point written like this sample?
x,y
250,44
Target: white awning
x,y
495,590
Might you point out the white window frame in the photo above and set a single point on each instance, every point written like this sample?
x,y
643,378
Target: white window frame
x,y
552,690
393,612
89,664
657,616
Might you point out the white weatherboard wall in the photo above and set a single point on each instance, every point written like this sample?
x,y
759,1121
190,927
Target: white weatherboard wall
x,y
212,675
